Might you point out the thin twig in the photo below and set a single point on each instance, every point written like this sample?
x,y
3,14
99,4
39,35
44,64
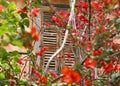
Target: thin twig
x,y
19,52
35,24
23,70
89,19
115,54
55,80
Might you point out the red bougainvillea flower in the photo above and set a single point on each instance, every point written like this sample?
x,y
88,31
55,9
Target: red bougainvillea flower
x,y
12,83
61,20
43,79
107,2
82,4
90,63
64,14
97,5
36,74
67,79
35,36
100,29
108,67
117,67
33,30
20,62
79,26
57,20
94,4
70,76
65,71
22,10
35,12
82,18
59,56
89,45
25,72
44,49
88,82
117,13
97,30
53,74
41,52
28,2
1,8
86,6
115,46
45,23
1,69
69,55
96,52
34,33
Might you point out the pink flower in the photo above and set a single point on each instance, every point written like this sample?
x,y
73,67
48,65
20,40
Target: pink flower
x,y
86,6
64,14
20,62
1,9
69,55
35,12
57,20
41,52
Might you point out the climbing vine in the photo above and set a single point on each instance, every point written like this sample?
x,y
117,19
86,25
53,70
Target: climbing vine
x,y
91,25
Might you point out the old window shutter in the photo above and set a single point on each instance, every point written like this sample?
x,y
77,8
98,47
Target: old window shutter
x,y
53,38
59,1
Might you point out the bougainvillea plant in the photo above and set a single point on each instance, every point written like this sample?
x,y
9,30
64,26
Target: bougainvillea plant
x,y
97,24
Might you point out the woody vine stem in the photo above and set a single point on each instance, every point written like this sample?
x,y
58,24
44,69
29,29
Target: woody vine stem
x,y
72,5
89,1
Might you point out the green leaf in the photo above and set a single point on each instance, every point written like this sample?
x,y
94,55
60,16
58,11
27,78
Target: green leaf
x,y
117,24
4,3
26,22
15,55
5,42
69,27
3,54
118,21
12,7
2,76
49,84
3,29
23,15
17,43
37,3
24,82
115,78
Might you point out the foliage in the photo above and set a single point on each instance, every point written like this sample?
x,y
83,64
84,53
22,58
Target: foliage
x,y
100,68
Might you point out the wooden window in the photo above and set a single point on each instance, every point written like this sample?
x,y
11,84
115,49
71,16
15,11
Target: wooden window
x,y
59,1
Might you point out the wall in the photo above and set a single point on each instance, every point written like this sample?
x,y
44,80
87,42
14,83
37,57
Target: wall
x,y
19,3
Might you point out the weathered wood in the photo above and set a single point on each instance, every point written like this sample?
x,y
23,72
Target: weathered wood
x,y
53,38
